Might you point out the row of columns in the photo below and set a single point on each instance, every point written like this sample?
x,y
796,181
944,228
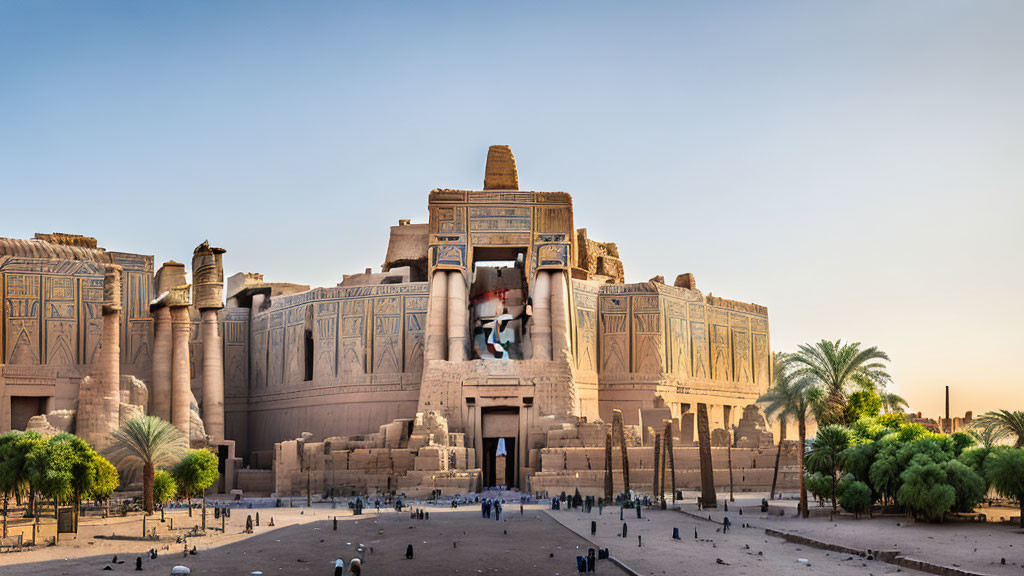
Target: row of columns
x,y
549,331
171,396
448,324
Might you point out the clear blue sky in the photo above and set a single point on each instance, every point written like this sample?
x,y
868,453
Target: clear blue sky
x,y
854,166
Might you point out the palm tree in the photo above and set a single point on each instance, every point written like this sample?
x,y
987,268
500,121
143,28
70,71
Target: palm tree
x,y
837,367
1008,423
148,442
826,454
986,435
778,403
892,402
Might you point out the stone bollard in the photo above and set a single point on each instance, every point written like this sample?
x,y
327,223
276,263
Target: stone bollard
x,y
625,529
593,527
675,533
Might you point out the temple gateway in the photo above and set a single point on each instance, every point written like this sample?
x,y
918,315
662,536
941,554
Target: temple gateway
x,y
496,345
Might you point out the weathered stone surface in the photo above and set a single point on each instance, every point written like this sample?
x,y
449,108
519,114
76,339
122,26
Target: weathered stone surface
x,y
497,318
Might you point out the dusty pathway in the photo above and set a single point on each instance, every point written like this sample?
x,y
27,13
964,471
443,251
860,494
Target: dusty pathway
x,y
742,551
450,542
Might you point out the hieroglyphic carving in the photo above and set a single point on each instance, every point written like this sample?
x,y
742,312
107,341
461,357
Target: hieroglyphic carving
x,y
275,347
415,332
647,349
326,338
700,345
499,218
678,339
743,363
387,335
554,219
137,324
614,334
721,354
91,323
22,314
235,331
353,337
295,343
762,360
258,352
60,321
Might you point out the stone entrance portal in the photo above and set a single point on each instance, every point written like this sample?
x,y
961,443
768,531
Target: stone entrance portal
x,y
500,424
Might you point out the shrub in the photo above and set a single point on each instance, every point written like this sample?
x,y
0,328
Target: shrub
x,y
969,485
924,490
855,496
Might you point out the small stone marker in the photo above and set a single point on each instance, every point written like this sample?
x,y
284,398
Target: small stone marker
x,y
675,533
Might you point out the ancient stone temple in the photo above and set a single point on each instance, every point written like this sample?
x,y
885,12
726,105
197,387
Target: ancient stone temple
x,y
495,322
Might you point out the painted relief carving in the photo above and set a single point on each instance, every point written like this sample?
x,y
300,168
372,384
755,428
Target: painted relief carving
x,y
701,350
762,360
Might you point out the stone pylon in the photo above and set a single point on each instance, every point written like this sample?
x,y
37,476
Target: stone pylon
x,y
208,291
99,400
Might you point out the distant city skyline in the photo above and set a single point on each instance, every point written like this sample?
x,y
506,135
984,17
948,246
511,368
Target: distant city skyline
x,y
855,168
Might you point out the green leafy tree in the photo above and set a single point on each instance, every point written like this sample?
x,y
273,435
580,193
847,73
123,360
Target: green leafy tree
x,y
861,404
837,368
16,468
105,480
970,487
1010,423
83,470
857,460
884,472
856,497
924,490
147,442
53,465
10,481
961,442
818,485
1004,469
196,472
164,487
826,454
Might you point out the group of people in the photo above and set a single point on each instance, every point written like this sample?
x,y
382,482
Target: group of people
x,y
488,506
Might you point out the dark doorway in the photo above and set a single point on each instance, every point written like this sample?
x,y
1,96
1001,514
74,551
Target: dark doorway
x,y
491,459
25,407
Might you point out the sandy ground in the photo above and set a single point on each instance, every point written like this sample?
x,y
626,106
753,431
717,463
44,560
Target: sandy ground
x,y
741,551
450,542
537,542
978,547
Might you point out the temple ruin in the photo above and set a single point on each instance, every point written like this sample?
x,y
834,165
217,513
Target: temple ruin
x,y
496,322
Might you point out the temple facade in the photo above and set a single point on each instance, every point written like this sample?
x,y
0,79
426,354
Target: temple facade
x,y
490,329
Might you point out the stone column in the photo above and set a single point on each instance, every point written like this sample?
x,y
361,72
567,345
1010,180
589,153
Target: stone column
x,y
160,397
458,317
437,322
208,288
560,341
181,377
213,374
99,403
540,333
